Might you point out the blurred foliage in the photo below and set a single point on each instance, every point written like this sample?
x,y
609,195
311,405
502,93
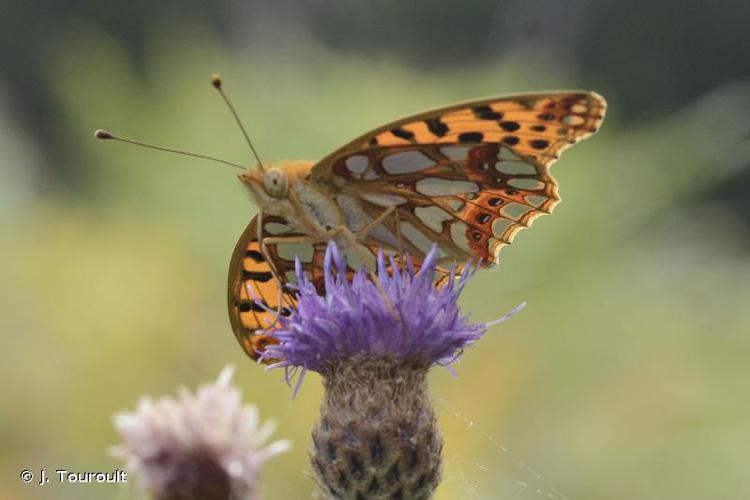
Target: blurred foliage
x,y
624,378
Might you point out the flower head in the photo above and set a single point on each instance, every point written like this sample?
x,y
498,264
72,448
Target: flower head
x,y
405,316
373,341
204,445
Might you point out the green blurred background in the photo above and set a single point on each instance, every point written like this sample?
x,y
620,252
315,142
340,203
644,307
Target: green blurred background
x,y
625,377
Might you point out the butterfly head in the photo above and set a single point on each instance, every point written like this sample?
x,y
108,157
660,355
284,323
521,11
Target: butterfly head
x,y
267,186
272,184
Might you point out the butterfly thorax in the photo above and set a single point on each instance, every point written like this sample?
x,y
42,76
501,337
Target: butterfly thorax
x,y
285,189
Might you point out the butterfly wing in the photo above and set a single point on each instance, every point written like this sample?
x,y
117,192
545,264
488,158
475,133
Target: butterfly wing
x,y
255,274
467,176
258,280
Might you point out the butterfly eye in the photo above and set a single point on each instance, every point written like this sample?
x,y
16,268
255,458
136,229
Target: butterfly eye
x,y
275,183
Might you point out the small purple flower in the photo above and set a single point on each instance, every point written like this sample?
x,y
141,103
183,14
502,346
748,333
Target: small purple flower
x,y
409,318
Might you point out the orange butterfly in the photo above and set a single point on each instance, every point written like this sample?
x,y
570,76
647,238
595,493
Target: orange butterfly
x,y
467,176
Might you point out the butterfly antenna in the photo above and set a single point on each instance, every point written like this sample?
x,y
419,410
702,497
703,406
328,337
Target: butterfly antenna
x,y
217,83
105,135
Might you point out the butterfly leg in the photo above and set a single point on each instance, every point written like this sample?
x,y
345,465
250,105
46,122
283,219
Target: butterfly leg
x,y
362,232
272,267
354,242
275,240
264,242
264,248
398,238
269,240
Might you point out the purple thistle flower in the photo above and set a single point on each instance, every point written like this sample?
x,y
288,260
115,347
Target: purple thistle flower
x,y
373,342
354,319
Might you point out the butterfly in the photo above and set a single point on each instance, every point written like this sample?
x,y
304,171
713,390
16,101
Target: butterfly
x,y
468,177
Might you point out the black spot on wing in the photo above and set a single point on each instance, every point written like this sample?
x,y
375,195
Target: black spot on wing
x,y
436,126
539,144
255,255
482,218
470,137
249,305
403,134
261,276
510,126
486,113
510,140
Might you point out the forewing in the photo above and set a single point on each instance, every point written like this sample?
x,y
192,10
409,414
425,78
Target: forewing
x,y
468,176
